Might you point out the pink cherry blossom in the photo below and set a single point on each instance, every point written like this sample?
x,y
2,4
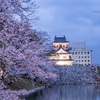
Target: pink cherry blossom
x,y
22,50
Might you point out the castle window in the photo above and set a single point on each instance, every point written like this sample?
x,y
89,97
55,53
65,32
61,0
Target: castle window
x,y
60,45
64,56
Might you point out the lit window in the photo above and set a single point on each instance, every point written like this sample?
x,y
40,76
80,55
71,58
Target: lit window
x,y
1,72
64,56
76,57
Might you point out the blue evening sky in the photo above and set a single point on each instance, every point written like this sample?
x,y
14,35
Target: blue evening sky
x,y
78,20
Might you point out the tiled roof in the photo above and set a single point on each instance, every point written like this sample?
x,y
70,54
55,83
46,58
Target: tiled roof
x,y
59,49
60,39
54,52
64,50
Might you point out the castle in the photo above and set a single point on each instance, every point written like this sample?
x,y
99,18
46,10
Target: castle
x,y
60,53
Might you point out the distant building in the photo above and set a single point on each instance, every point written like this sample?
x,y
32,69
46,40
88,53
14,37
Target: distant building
x,y
60,53
80,54
79,45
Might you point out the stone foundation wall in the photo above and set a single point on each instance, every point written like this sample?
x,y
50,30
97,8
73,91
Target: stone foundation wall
x,y
77,75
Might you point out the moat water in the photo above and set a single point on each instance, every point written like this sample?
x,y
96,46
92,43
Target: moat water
x,y
67,92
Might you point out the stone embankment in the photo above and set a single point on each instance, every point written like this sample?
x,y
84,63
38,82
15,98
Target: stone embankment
x,y
77,75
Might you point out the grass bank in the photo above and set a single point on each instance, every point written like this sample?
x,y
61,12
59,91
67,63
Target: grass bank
x,y
23,84
98,70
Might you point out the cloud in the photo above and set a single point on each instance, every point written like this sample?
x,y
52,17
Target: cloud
x,y
78,20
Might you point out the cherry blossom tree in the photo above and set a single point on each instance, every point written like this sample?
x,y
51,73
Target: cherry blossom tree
x,y
22,50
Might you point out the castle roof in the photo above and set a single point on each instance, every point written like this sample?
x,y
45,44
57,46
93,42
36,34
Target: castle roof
x,y
59,51
62,51
60,39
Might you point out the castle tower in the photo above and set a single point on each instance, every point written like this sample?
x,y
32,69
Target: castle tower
x,y
60,42
60,52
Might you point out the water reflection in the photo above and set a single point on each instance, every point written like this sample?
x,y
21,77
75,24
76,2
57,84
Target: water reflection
x,y
68,92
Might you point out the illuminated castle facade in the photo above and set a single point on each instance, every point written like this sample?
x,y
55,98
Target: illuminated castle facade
x,y
60,52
